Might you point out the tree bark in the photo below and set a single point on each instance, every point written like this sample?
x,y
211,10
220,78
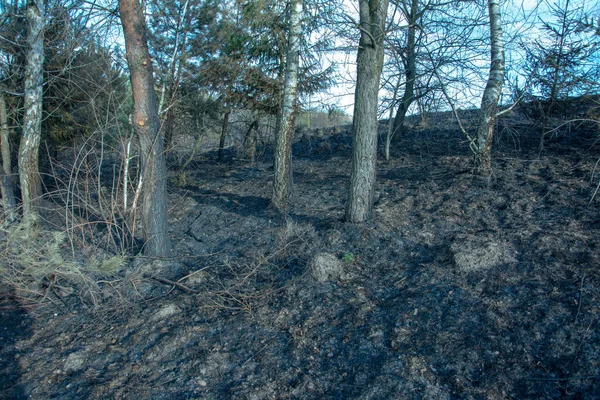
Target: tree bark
x,y
491,94
410,70
224,128
29,175
364,144
200,128
250,141
146,123
283,183
390,125
8,188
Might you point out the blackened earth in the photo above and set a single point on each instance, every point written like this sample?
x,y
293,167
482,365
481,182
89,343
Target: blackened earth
x,y
458,288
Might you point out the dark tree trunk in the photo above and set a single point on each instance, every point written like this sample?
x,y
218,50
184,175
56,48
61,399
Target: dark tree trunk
x,y
364,145
283,183
31,187
491,94
8,187
250,141
224,128
410,64
146,123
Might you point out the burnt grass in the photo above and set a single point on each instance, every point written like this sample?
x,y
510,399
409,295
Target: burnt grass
x,y
458,288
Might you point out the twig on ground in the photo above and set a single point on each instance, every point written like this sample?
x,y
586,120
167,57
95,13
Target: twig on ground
x,y
543,379
258,352
177,284
583,339
580,297
193,273
178,257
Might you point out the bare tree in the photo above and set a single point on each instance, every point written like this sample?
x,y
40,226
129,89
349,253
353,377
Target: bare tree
x,y
146,122
31,188
413,11
369,62
283,180
421,40
491,94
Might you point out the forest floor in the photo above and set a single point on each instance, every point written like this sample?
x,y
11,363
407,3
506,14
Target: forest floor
x,y
457,289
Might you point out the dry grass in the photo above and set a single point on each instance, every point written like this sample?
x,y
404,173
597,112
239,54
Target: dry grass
x,y
33,265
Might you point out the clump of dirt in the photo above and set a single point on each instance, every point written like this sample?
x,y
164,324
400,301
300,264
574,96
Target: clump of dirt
x,y
456,289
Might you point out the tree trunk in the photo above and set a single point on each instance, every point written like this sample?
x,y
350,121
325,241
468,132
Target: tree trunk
x,y
491,94
390,125
146,123
223,134
283,184
182,181
279,93
545,113
31,187
250,141
8,188
364,144
410,61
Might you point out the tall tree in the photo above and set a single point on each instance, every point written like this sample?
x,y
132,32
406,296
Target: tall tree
x,y
283,180
364,144
146,123
491,93
29,176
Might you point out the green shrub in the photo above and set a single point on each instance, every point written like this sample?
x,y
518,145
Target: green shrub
x,y
348,258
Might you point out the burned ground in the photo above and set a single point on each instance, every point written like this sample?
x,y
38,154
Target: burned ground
x,y
458,288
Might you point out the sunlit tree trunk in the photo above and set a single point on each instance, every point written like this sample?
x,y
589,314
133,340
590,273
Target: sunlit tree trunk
x,y
283,181
146,123
491,94
364,145
29,176
390,125
8,191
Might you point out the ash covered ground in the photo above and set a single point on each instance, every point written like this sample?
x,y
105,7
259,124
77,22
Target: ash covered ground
x,y
458,288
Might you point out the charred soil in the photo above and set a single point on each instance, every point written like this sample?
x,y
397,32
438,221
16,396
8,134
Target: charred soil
x,y
458,288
